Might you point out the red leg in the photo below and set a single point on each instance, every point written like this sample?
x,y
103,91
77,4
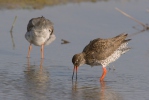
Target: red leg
x,y
29,50
103,74
41,63
42,51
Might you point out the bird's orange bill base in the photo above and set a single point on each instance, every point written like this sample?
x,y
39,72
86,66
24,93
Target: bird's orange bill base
x,y
103,74
75,70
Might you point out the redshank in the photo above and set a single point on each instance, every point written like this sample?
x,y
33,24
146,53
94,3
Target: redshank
x,y
40,33
101,52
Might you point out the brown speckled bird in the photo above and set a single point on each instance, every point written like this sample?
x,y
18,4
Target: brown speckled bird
x,y
101,52
40,33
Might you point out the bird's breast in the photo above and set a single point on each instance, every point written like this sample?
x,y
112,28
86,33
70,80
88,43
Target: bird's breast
x,y
37,37
93,62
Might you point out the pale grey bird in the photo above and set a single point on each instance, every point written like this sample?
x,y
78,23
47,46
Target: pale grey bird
x,y
40,33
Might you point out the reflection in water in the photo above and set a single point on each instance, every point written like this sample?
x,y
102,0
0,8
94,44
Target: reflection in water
x,y
75,93
107,94
37,81
136,33
13,44
94,92
145,26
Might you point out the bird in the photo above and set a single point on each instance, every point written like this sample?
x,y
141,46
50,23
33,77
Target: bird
x,y
101,52
40,32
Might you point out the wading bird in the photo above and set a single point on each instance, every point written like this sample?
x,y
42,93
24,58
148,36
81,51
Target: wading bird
x,y
40,33
101,52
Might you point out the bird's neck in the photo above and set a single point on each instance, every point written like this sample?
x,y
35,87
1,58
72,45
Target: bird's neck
x,y
83,57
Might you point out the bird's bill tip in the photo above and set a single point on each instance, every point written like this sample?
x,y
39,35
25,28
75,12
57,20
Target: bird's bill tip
x,y
75,70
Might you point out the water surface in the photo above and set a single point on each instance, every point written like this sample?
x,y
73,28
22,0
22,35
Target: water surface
x,y
50,79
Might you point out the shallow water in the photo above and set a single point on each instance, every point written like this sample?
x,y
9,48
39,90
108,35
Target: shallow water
x,y
50,79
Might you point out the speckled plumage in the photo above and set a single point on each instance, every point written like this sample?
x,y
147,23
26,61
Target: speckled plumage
x,y
102,51
115,55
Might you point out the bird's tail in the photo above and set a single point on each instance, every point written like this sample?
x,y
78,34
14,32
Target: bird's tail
x,y
125,50
126,40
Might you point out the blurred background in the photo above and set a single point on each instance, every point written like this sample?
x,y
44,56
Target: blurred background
x,y
38,4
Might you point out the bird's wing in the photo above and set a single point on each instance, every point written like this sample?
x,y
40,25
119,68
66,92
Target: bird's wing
x,y
102,48
40,23
30,25
42,27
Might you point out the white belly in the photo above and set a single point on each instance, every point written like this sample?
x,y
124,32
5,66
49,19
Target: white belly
x,y
39,38
121,50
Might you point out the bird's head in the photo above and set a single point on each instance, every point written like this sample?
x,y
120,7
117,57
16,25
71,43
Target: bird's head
x,y
78,59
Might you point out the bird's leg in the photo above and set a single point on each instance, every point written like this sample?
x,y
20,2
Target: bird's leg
x,y
103,74
42,51
29,50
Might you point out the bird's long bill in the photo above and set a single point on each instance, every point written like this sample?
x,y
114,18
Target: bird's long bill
x,y
75,70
